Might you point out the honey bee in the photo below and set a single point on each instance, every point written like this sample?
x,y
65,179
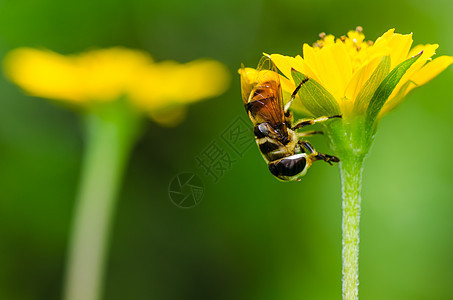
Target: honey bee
x,y
285,150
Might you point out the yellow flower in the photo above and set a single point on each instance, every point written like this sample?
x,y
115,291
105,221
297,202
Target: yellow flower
x,y
345,66
160,89
347,84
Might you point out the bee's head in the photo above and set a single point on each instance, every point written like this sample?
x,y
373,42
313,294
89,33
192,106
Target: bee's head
x,y
290,168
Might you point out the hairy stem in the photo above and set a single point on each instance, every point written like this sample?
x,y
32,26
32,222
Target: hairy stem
x,y
351,177
109,140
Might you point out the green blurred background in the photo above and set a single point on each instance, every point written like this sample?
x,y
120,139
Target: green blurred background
x,y
252,237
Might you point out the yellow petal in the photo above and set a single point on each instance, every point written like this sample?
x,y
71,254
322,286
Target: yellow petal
x,y
168,83
416,50
200,79
287,85
428,51
400,45
286,63
385,38
309,61
332,67
431,70
248,79
95,75
106,74
44,74
397,44
360,77
425,74
304,66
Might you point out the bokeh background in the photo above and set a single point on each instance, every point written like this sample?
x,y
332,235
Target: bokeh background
x,y
251,237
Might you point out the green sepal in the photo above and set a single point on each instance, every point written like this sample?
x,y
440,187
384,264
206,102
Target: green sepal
x,y
386,88
369,88
395,101
315,97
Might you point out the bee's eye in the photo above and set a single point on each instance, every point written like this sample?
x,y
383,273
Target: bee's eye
x,y
288,167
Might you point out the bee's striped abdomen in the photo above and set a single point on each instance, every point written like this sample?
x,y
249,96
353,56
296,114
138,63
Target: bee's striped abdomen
x,y
271,149
270,141
288,166
268,146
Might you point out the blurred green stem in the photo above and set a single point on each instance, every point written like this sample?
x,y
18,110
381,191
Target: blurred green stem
x,y
111,132
351,177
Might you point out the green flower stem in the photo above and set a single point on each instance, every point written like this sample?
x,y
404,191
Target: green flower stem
x,y
111,133
351,177
351,142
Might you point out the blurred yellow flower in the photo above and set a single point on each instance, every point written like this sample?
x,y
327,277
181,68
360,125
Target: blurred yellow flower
x,y
160,89
344,65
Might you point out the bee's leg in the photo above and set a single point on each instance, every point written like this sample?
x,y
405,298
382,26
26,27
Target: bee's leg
x,y
288,105
315,155
308,133
293,95
306,145
306,122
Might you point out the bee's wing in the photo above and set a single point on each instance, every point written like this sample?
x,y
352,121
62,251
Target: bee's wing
x,y
266,94
249,79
